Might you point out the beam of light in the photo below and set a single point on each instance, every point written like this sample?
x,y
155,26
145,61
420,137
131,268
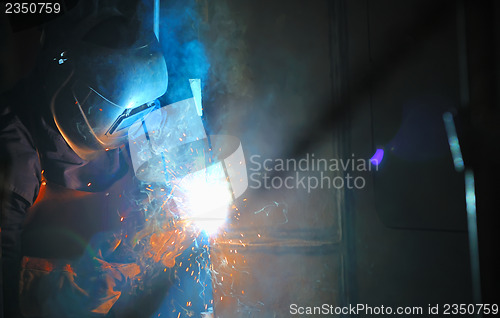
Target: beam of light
x,y
205,198
376,159
456,153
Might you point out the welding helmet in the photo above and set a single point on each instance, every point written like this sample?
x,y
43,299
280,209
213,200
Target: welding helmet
x,y
106,75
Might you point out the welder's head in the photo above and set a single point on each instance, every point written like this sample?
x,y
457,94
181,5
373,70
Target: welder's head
x,y
103,75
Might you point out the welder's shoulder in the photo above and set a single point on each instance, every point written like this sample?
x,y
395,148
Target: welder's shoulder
x,y
14,135
18,156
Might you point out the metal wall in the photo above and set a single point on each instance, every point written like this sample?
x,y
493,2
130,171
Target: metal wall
x,y
348,78
270,77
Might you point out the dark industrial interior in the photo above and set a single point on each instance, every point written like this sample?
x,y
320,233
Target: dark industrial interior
x,y
333,80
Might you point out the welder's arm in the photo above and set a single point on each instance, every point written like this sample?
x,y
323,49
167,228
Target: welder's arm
x,y
19,187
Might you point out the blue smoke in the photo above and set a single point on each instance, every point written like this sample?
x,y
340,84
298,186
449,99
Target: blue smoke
x,y
180,29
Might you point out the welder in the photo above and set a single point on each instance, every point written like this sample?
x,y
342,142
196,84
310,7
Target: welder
x,y
99,70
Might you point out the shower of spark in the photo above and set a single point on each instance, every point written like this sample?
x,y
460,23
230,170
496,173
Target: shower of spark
x,y
191,180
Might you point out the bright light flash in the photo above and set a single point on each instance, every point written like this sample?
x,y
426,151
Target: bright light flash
x,y
205,197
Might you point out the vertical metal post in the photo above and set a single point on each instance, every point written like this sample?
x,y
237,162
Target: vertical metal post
x,y
470,200
156,17
469,175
